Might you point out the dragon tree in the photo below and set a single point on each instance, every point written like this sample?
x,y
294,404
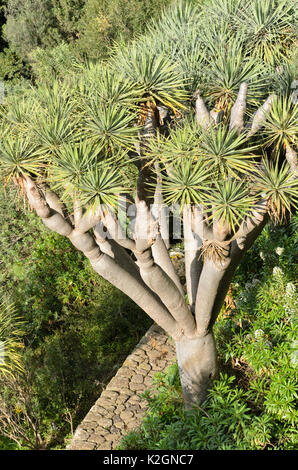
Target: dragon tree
x,y
195,121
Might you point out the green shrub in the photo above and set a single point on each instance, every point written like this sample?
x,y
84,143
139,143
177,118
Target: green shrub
x,y
253,404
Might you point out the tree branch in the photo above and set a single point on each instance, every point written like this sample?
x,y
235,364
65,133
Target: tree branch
x,y
55,203
250,224
103,264
209,290
152,274
193,263
114,228
259,118
202,113
292,159
199,224
239,109
162,258
77,212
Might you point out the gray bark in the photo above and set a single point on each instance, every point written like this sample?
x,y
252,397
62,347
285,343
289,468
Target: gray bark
x,y
162,258
197,362
154,290
197,358
160,210
151,282
210,295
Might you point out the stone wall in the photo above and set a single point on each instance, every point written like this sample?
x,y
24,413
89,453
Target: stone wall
x,y
120,408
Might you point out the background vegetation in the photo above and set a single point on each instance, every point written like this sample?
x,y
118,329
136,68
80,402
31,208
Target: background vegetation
x,y
43,39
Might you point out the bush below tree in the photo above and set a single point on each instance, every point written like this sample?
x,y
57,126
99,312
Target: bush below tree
x,y
253,403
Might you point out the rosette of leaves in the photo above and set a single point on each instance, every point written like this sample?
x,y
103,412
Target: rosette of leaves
x,y
110,126
182,141
177,19
284,77
102,186
276,183
108,102
228,65
229,9
176,35
70,164
20,156
18,111
57,121
100,84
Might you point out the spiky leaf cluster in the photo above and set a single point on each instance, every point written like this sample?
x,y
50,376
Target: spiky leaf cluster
x,y
187,182
268,28
279,187
82,134
281,127
156,74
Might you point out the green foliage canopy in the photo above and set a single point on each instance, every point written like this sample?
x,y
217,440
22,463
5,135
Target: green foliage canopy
x,y
104,105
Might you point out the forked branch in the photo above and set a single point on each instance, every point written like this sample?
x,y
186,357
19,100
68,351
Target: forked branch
x,y
119,276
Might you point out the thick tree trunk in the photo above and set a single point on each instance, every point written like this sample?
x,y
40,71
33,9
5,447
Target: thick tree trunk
x,y
197,357
197,362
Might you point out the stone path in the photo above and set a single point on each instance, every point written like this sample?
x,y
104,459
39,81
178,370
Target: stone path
x,y
119,408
